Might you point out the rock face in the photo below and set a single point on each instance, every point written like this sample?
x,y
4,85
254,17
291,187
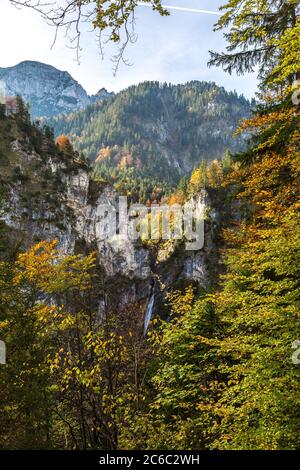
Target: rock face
x,y
48,90
47,199
102,94
73,218
121,258
117,254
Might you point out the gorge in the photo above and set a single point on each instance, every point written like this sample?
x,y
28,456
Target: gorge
x,y
49,195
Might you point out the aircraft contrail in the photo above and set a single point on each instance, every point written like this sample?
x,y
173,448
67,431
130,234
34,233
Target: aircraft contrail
x,y
192,10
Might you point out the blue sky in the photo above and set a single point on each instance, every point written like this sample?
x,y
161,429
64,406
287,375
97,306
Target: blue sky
x,y
172,49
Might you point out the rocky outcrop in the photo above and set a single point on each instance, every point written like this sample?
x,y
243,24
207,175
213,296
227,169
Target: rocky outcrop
x,y
48,91
117,254
102,94
75,217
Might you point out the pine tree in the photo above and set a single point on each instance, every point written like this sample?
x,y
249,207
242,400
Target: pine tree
x,y
257,31
251,398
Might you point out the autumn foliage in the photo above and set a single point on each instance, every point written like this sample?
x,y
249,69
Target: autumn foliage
x,y
65,145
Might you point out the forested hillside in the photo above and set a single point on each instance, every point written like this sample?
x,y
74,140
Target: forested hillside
x,y
159,130
118,344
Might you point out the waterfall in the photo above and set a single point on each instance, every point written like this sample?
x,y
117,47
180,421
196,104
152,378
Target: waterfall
x,y
149,310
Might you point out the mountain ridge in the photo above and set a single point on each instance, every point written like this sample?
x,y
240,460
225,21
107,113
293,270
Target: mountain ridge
x,y
48,90
152,129
158,129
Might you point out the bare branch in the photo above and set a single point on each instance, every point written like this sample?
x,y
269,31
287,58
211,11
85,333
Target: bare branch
x,y
116,17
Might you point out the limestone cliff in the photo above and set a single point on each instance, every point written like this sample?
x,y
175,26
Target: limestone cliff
x,y
49,198
48,91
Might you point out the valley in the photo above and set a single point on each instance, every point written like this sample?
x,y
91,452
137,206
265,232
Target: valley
x,y
150,237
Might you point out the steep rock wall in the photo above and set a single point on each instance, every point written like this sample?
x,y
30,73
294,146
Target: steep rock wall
x,y
70,215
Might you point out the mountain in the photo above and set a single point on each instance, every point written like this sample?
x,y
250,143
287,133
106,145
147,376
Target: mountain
x,y
102,94
48,91
152,130
159,130
47,193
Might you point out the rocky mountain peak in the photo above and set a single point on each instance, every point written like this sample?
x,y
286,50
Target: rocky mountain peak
x,y
102,94
48,90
